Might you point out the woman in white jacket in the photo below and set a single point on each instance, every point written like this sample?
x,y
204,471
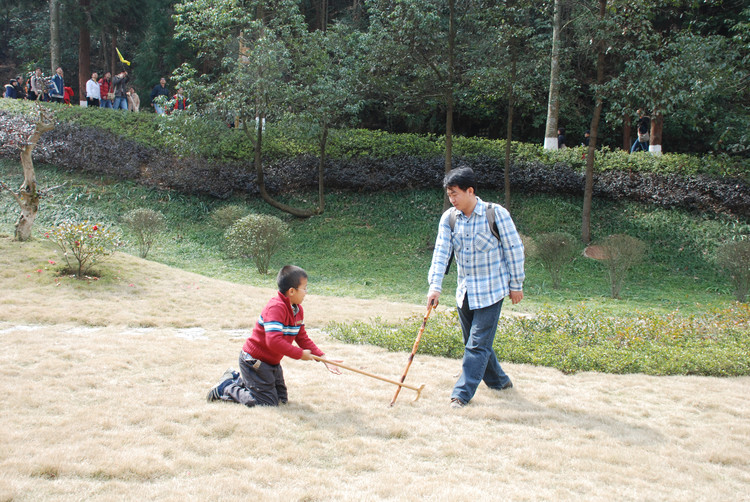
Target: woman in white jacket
x,y
92,91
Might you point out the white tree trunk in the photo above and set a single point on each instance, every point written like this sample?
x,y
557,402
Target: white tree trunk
x,y
553,103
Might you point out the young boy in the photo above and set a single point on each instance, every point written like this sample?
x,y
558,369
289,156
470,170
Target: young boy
x,y
260,380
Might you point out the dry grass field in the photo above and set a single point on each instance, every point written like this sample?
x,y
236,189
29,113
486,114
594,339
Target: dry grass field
x,y
103,398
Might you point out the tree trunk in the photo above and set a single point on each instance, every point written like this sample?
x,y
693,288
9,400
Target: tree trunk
x,y
553,102
626,138
28,195
449,95
321,170
84,54
258,160
54,34
113,54
588,191
657,127
509,134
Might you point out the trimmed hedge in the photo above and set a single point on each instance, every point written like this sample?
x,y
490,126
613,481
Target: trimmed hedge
x,y
149,150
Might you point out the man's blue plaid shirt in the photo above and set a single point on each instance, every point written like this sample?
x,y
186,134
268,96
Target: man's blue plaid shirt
x,y
487,269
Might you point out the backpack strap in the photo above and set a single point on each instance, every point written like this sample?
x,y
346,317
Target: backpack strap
x,y
489,213
452,219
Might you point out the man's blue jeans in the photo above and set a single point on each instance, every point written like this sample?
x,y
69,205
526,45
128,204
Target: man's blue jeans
x,y
480,363
121,103
639,146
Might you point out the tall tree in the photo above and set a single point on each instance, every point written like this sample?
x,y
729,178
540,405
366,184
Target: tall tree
x,y
84,49
504,64
54,34
419,48
270,62
553,102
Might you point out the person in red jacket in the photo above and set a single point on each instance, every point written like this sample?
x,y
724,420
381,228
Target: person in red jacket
x,y
67,95
105,87
260,380
180,101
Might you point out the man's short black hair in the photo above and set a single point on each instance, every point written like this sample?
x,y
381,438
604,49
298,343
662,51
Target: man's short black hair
x,y
289,277
461,177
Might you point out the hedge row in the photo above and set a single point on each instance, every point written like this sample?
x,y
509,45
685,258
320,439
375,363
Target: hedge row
x,y
94,150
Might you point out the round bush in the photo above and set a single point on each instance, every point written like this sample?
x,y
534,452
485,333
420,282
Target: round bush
x,y
145,224
226,216
257,237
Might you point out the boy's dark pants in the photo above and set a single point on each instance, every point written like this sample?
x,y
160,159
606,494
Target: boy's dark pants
x,y
260,384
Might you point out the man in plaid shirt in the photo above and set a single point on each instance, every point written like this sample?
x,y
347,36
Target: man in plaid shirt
x,y
488,270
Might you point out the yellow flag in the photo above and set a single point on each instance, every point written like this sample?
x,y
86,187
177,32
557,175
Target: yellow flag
x,y
122,59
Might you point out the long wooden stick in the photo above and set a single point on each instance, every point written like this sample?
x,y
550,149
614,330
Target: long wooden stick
x,y
413,351
418,390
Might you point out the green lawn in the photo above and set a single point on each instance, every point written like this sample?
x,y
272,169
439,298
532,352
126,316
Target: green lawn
x,y
676,315
372,245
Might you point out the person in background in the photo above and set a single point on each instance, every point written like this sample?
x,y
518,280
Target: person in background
x,y
180,101
57,86
21,91
586,137
560,138
134,102
10,89
67,95
38,86
105,85
159,89
119,87
643,127
92,91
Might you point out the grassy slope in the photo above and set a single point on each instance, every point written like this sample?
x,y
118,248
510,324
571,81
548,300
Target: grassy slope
x,y
379,245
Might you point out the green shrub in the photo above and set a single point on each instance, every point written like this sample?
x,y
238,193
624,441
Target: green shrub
x,y
714,343
734,258
226,216
145,224
83,244
257,237
620,253
556,250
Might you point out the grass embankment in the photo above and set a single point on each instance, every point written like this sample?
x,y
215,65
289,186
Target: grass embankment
x,y
677,314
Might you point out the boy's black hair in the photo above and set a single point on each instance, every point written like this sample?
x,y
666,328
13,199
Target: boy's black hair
x,y
461,177
289,277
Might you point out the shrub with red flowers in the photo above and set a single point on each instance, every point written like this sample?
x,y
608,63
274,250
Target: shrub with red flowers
x,y
84,244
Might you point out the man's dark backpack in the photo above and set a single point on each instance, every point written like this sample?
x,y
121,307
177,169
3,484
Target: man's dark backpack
x,y
489,213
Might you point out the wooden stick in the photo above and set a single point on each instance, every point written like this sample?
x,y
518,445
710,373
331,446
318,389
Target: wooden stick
x,y
413,351
418,390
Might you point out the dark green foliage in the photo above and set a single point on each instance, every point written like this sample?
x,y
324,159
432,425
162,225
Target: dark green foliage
x,y
203,157
734,258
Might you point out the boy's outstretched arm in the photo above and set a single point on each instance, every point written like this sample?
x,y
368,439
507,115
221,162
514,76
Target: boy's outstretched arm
x,y
307,356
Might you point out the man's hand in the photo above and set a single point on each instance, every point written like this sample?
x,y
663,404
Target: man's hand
x,y
306,355
433,298
516,296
